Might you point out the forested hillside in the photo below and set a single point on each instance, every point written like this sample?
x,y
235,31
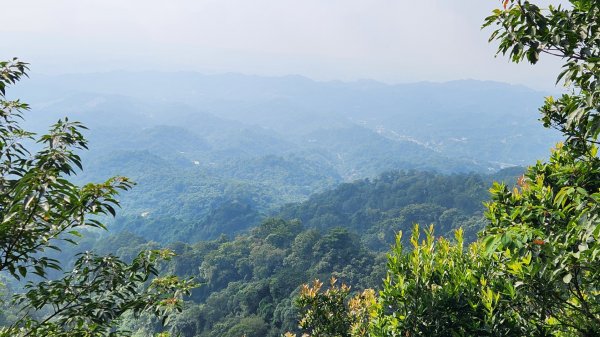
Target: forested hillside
x,y
374,208
249,282
202,203
380,207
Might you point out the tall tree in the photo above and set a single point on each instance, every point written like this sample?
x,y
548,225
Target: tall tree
x,y
547,229
40,206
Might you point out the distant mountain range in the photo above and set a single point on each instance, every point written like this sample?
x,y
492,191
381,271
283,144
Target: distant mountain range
x,y
491,124
217,152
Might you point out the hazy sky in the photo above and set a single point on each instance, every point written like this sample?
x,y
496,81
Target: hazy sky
x,y
386,40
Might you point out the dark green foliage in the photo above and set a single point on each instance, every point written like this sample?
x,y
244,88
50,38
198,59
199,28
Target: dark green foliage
x,y
250,282
90,299
193,205
394,201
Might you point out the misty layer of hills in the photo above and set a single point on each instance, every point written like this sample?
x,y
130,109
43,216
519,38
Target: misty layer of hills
x,y
223,151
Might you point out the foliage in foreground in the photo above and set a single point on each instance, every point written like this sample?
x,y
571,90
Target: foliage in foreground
x,y
39,207
439,288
